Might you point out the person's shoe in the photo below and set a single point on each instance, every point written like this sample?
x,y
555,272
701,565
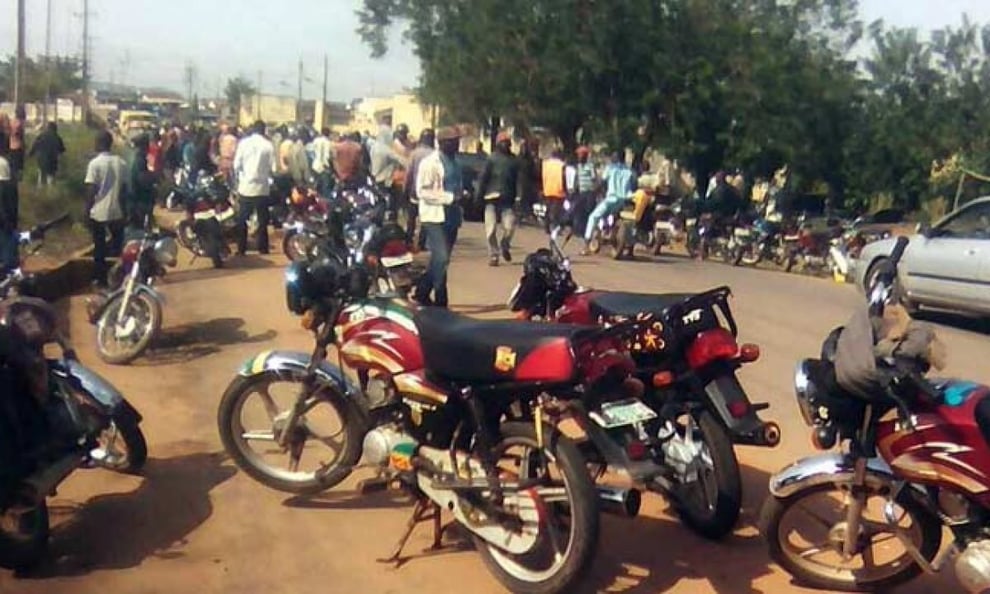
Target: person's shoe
x,y
493,261
506,254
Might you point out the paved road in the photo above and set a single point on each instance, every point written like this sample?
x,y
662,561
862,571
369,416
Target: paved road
x,y
193,523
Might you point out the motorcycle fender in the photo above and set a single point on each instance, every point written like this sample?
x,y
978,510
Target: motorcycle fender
x,y
824,469
141,288
104,395
721,392
296,362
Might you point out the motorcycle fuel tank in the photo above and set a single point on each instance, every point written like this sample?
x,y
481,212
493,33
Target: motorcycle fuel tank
x,y
379,335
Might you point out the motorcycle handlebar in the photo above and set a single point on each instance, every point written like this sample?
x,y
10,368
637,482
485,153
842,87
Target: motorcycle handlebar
x,y
898,251
38,232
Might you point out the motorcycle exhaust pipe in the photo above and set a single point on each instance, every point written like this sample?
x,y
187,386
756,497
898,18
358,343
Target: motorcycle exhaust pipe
x,y
41,484
619,501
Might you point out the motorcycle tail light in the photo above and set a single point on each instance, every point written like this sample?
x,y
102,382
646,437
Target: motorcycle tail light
x,y
738,409
749,352
394,248
662,379
636,450
712,345
131,251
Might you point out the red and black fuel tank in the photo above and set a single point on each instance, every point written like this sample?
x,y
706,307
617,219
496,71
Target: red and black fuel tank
x,y
380,335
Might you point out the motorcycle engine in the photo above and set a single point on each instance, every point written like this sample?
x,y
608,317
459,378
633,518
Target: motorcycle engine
x,y
973,567
380,442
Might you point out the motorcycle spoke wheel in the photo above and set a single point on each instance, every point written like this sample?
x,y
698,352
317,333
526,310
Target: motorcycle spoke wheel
x,y
122,339
808,532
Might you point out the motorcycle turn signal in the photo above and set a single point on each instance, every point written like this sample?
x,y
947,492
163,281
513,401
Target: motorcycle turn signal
x,y
824,438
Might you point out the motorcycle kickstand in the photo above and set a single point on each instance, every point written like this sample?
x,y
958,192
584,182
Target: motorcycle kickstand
x,y
424,511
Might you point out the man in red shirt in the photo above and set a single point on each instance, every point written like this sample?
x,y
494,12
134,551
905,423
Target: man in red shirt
x,y
349,161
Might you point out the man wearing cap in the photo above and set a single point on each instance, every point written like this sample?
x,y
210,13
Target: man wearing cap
x,y
497,186
439,181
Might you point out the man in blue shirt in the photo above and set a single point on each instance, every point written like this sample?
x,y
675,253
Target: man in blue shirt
x,y
620,183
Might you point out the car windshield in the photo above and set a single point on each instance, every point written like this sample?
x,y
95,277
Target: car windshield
x,y
972,222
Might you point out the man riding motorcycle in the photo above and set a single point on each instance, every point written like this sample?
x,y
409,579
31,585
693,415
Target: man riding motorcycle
x,y
620,183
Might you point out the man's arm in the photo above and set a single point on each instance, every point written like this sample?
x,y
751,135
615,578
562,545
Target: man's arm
x,y
486,176
92,187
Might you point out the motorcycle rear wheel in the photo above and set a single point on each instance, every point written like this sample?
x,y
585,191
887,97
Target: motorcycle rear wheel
x,y
713,514
580,506
235,436
24,539
925,527
140,305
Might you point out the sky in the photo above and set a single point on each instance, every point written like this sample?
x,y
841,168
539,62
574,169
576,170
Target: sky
x,y
150,42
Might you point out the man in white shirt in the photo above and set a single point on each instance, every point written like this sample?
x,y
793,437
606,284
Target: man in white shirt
x,y
322,166
253,167
105,178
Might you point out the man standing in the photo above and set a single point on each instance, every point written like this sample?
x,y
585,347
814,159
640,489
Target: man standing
x,y
427,138
586,185
141,183
253,167
322,165
554,191
105,178
384,163
620,185
497,186
16,157
529,177
227,148
47,148
8,209
438,183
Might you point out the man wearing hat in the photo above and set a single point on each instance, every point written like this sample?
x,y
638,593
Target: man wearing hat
x,y
497,186
439,183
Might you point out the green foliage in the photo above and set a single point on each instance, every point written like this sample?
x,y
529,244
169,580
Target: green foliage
x,y
238,89
749,84
64,73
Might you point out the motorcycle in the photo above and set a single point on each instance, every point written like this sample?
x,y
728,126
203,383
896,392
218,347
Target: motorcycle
x,y
762,241
636,225
605,234
916,461
687,360
305,224
808,248
665,223
129,315
430,416
210,223
710,239
56,416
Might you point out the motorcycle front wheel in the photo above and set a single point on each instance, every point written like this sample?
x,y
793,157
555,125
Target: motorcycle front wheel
x,y
119,343
568,534
254,412
122,447
24,531
710,503
806,532
297,246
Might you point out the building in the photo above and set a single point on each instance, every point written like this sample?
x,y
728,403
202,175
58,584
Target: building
x,y
278,110
392,111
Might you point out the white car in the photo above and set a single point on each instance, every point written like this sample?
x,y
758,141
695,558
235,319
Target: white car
x,y
946,265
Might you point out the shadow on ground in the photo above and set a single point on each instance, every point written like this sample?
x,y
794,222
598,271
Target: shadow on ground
x,y
121,530
187,342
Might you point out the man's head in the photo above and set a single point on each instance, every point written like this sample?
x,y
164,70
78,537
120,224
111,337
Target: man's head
x,y
52,127
619,157
719,177
258,127
104,141
402,133
503,142
583,153
325,132
557,154
141,143
428,137
354,137
450,140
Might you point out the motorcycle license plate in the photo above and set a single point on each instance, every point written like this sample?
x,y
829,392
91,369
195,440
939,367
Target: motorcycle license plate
x,y
625,412
397,261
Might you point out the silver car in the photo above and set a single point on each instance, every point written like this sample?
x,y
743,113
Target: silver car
x,y
946,265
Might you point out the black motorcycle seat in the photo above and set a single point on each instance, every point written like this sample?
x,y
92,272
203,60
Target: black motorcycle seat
x,y
459,348
611,305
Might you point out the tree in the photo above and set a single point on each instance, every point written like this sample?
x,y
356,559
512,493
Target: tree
x,y
65,75
238,89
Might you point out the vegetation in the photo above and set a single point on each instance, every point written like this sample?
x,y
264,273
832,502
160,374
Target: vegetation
x,y
238,89
861,110
65,75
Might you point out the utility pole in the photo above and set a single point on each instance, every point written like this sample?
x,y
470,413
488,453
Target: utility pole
x,y
19,67
48,62
190,78
85,63
258,95
299,94
324,120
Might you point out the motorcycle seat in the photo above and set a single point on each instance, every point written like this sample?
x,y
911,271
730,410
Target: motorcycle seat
x,y
462,349
629,305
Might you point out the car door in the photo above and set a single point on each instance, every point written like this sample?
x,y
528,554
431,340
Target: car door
x,y
948,266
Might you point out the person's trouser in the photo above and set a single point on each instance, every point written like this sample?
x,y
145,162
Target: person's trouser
x,y
246,206
453,217
435,279
604,207
492,213
413,215
139,212
9,256
46,178
555,215
324,183
102,249
581,205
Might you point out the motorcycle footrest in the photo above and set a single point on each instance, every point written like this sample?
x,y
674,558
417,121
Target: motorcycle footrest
x,y
758,406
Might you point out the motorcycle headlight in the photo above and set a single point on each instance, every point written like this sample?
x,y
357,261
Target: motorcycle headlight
x,y
167,252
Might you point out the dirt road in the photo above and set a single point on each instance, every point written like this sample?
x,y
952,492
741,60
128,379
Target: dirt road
x,y
193,523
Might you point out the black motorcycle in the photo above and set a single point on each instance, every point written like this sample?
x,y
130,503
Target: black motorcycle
x,y
56,416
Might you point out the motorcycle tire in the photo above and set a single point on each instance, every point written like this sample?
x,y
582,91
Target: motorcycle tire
x,y
25,548
623,237
296,246
737,256
137,447
229,424
584,516
774,510
721,518
187,237
790,261
657,248
107,321
595,245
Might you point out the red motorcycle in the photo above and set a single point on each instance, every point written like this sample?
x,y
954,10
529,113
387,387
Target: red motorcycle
x,y
687,357
807,247
917,462
430,415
